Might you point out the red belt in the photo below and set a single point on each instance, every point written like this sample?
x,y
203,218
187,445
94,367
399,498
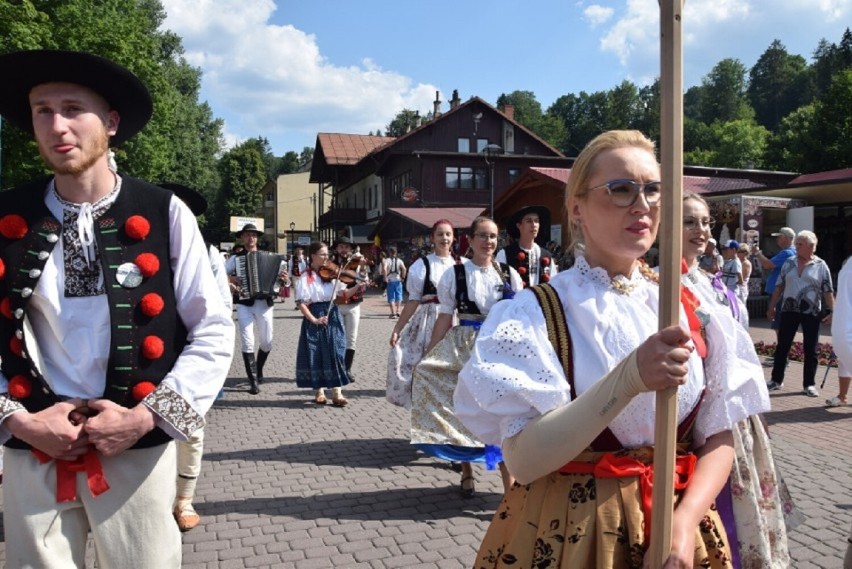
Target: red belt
x,y
66,474
612,466
431,301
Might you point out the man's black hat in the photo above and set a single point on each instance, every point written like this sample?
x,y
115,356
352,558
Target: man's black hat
x,y
344,239
192,198
249,228
20,71
515,218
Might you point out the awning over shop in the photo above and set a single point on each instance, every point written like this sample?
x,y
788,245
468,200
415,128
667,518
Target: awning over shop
x,y
406,222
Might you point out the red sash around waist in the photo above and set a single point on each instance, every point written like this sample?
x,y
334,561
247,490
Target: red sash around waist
x,y
612,466
66,474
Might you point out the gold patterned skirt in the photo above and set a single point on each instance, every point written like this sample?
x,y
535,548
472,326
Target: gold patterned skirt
x,y
577,521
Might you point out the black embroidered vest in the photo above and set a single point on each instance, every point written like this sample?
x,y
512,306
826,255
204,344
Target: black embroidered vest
x,y
28,234
522,266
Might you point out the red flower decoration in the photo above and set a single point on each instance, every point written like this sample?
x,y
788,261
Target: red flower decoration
x,y
152,347
16,346
137,227
13,226
545,261
148,264
142,390
151,304
20,387
2,269
522,256
6,308
522,271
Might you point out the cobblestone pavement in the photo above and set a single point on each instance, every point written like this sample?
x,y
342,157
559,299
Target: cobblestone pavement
x,y
287,483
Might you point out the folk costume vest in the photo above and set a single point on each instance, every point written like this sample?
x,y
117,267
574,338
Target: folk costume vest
x,y
466,305
519,259
147,335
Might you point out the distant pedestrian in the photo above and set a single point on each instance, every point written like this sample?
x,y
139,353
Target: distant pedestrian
x,y
805,292
743,256
732,269
710,261
393,271
784,240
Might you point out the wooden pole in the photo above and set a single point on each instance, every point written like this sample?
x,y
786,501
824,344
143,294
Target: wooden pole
x,y
671,222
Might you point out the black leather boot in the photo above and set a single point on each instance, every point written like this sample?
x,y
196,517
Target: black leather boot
x,y
347,360
261,360
248,359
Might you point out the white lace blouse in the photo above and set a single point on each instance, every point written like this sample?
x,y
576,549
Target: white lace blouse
x,y
312,288
417,275
514,375
484,287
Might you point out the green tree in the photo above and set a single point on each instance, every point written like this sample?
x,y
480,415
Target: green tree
x,y
794,146
724,97
528,113
306,156
404,122
833,124
739,143
623,107
778,84
244,172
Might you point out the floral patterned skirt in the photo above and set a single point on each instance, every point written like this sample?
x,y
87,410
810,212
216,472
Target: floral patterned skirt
x,y
572,521
408,352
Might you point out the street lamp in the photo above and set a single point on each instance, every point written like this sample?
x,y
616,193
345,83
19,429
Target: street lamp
x,y
292,237
492,151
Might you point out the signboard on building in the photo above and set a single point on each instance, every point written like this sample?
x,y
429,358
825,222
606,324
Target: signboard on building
x,y
409,194
238,221
304,240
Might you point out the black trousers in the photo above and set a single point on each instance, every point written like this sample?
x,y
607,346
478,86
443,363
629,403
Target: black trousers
x,y
787,328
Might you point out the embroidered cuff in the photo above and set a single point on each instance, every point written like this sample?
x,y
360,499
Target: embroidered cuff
x,y
8,406
174,410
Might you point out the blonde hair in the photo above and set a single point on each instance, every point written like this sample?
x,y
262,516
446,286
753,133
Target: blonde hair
x,y
584,167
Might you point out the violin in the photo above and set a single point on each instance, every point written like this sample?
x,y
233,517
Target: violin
x,y
347,274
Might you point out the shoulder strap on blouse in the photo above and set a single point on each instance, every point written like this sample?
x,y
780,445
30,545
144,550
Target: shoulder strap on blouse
x,y
557,327
428,285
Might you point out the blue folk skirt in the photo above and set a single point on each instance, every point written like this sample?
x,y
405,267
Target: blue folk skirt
x,y
320,355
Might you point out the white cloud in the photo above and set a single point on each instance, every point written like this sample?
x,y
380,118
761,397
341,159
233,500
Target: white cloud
x,y
597,14
273,80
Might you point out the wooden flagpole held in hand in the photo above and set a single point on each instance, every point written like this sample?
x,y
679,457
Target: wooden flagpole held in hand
x,y
671,221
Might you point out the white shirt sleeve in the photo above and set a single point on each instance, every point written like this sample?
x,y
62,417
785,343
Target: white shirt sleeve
x,y
841,322
416,279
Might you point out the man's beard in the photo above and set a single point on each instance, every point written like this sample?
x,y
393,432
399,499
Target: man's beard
x,y
89,158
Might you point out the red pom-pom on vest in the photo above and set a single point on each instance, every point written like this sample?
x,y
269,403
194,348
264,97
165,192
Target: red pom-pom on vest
x,y
20,387
545,277
521,255
545,261
522,271
152,347
142,390
13,226
17,346
148,264
151,304
2,269
137,227
6,308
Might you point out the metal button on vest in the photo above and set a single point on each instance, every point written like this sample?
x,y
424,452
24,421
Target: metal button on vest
x,y
26,292
35,273
19,313
52,238
42,255
128,275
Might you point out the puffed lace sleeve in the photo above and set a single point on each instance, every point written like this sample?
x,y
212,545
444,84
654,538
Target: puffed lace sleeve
x,y
513,374
414,281
447,292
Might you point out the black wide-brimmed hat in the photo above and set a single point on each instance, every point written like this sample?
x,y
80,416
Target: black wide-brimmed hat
x,y
344,239
249,228
123,91
196,202
515,218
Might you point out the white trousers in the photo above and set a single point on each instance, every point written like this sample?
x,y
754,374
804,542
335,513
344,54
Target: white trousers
x,y
258,313
189,455
131,523
351,314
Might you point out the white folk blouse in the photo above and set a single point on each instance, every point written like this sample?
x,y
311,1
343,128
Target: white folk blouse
x,y
484,287
417,275
514,375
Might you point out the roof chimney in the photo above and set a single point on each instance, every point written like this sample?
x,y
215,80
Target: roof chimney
x,y
509,111
455,101
437,105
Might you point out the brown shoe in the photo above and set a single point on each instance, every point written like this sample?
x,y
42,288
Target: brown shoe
x,y
340,401
320,399
186,517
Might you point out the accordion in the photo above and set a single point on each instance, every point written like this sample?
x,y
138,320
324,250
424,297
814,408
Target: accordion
x,y
258,275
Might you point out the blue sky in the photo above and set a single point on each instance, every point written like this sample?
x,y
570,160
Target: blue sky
x,y
289,69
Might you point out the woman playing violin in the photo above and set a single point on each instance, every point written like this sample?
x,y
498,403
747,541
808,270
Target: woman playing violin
x,y
320,355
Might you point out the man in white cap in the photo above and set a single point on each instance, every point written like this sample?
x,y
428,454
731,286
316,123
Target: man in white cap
x,y
784,239
113,337
710,261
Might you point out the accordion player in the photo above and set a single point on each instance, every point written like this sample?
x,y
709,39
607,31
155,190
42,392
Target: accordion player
x,y
257,272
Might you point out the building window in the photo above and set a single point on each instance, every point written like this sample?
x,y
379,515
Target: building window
x,y
399,183
464,178
513,174
481,143
464,145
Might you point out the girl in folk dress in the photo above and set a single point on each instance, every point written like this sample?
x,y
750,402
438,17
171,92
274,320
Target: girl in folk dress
x,y
563,378
471,289
322,342
755,502
413,330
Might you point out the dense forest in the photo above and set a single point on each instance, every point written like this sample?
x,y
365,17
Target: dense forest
x,y
784,113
